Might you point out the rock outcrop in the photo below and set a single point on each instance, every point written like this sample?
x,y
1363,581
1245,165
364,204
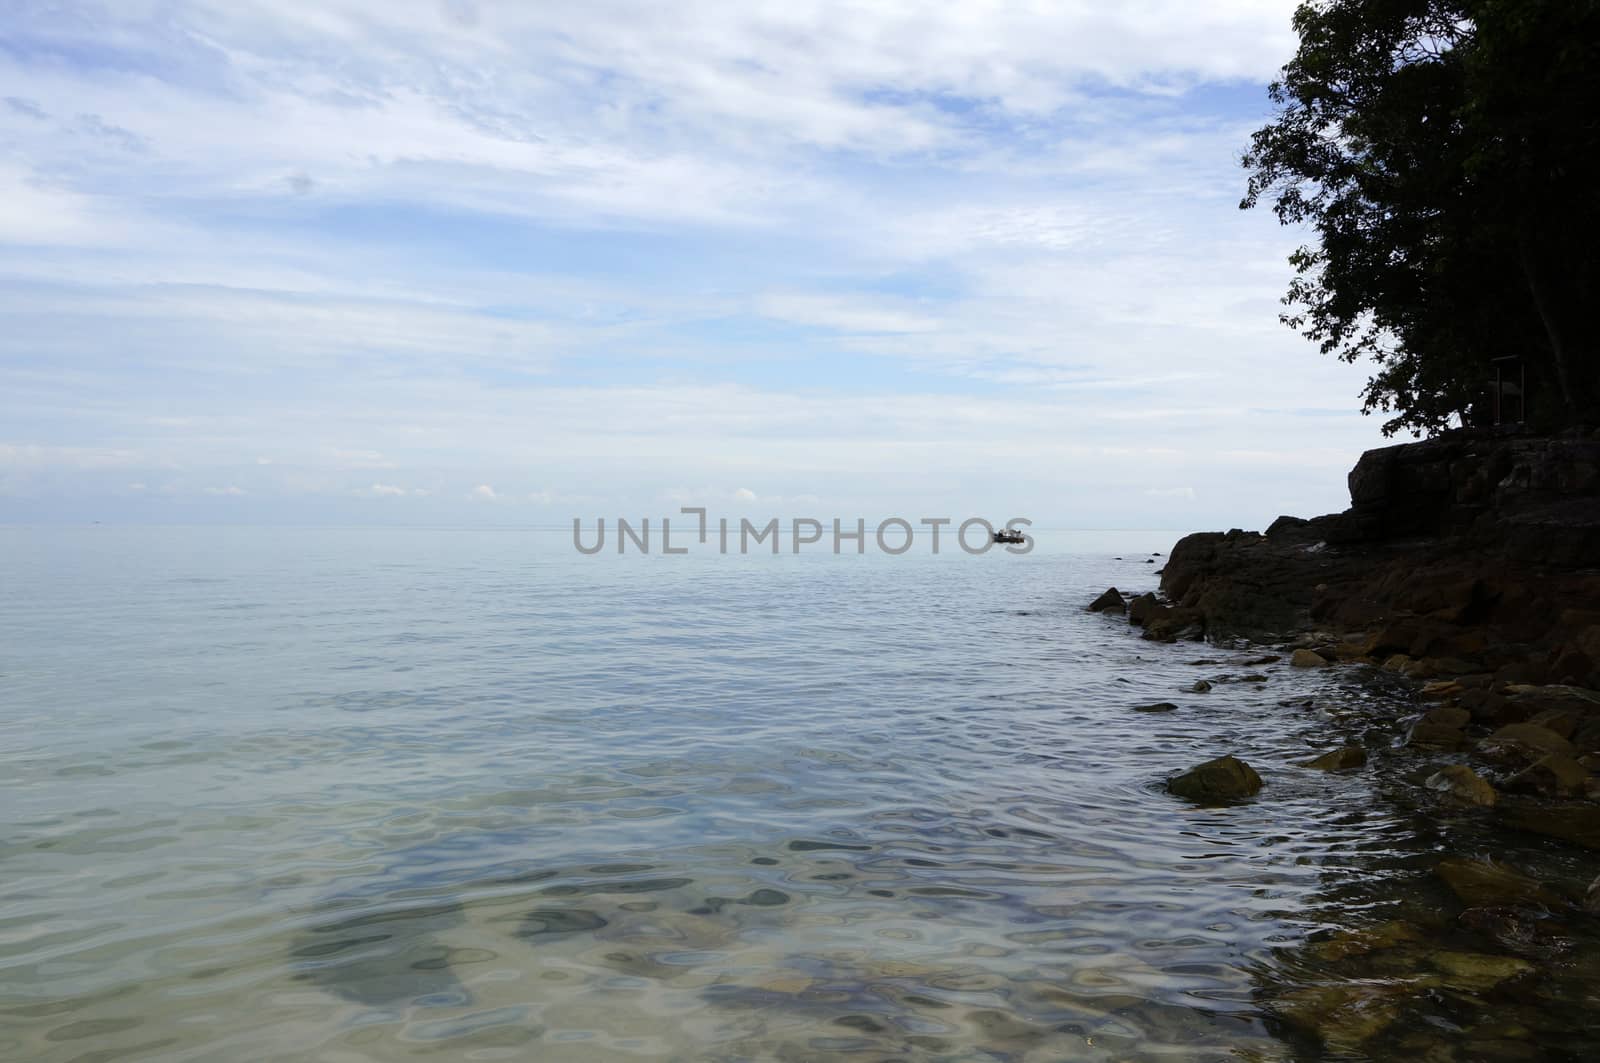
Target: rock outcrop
x,y
1479,549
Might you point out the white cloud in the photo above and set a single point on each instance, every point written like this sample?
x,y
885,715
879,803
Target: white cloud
x,y
483,493
744,494
383,491
229,490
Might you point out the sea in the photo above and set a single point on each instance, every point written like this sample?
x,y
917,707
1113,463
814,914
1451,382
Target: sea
x,y
440,793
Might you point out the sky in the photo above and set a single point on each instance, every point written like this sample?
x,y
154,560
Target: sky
x,y
386,261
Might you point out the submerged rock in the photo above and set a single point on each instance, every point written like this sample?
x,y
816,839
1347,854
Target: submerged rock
x,y
1156,706
1347,943
1481,884
1338,760
1307,659
1201,686
1464,784
1476,972
1222,779
1343,1015
1111,599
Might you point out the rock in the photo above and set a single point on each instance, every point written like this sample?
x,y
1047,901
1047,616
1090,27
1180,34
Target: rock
x,y
1561,722
1449,716
1157,706
1344,944
1481,884
1339,760
1201,686
1577,822
1142,608
1524,743
1395,663
1255,662
1464,784
1307,659
1111,599
1222,779
1427,735
1476,972
1345,1014
1441,688
1168,623
1553,775
1591,899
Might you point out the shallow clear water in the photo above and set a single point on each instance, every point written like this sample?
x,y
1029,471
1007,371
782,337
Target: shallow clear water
x,y
378,794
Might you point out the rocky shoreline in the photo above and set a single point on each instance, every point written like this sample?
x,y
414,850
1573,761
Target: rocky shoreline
x,y
1467,571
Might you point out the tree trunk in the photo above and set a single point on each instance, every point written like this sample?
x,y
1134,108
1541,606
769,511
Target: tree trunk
x,y
1544,301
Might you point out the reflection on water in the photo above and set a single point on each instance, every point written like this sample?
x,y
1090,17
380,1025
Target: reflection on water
x,y
380,795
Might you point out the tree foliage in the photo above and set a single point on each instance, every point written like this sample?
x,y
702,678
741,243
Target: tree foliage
x,y
1446,154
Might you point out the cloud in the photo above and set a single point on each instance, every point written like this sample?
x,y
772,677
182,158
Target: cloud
x,y
1171,492
744,494
229,490
863,261
383,491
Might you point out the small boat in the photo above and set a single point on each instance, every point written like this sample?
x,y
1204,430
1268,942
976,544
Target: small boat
x,y
1006,535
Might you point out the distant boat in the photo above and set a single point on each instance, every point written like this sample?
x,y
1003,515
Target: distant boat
x,y
1005,535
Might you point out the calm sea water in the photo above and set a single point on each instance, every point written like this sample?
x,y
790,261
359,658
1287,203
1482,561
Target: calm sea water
x,y
278,794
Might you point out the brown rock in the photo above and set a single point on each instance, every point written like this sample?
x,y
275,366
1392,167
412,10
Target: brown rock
x,y
1449,716
1338,760
1554,775
1222,779
1307,659
1441,688
1463,784
1436,736
1563,722
1142,608
1112,598
1480,883
1524,743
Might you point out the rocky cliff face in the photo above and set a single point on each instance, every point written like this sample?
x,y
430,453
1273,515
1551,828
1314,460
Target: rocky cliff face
x,y
1477,548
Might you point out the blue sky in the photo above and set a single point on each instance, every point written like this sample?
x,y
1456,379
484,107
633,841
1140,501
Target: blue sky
x,y
351,260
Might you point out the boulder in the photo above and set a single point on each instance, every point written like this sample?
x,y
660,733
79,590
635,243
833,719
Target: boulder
x,y
1427,735
1523,743
1553,775
1449,716
1577,822
1480,883
1307,659
1111,599
1338,760
1167,623
1201,686
1561,722
1224,779
1463,784
1476,972
1156,706
1142,608
1343,944
1344,1014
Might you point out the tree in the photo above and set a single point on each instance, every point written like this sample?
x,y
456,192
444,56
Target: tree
x,y
1444,153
